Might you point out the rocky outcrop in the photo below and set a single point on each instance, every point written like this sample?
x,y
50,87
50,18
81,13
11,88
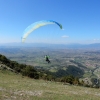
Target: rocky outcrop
x,y
4,67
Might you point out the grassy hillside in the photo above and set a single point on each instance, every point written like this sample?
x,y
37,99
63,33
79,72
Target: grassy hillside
x,y
15,87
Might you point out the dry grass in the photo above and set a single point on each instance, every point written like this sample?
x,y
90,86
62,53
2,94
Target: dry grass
x,y
16,87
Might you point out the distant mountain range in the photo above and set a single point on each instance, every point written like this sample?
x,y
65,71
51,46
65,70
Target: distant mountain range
x,y
46,45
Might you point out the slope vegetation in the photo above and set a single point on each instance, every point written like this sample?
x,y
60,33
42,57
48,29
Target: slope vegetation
x,y
15,87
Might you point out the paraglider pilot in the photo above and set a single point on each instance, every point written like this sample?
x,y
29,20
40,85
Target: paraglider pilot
x,y
47,59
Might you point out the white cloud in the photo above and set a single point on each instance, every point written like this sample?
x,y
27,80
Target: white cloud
x,y
65,36
96,39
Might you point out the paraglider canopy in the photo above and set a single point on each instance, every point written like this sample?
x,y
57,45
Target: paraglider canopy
x,y
36,25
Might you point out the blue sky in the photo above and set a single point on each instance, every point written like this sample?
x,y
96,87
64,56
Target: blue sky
x,y
79,18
